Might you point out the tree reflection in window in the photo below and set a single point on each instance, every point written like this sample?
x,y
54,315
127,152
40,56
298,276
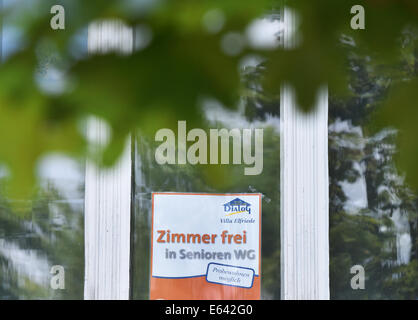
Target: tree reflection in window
x,y
373,212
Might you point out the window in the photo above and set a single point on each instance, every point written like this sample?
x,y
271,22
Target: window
x,y
43,238
213,179
373,211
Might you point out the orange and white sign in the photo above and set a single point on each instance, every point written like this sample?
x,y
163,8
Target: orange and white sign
x,y
205,246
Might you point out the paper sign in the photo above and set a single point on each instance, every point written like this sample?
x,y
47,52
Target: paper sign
x,y
205,246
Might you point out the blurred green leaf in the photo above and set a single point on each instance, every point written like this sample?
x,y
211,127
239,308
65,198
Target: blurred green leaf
x,y
183,64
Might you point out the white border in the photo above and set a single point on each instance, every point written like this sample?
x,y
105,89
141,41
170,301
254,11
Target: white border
x,y
304,191
107,194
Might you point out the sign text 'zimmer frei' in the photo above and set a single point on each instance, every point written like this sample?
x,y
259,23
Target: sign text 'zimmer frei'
x,y
205,246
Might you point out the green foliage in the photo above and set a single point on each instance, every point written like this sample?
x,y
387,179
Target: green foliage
x,y
166,80
149,89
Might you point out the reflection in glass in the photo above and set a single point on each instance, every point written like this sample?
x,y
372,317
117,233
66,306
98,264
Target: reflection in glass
x,y
37,234
373,212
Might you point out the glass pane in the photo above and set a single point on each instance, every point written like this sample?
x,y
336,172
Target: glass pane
x,y
373,212
257,111
42,239
36,235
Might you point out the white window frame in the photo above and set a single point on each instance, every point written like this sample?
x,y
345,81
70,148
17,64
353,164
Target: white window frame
x,y
107,226
304,190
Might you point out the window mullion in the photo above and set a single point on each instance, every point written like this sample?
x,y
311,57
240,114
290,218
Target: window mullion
x,y
304,190
108,193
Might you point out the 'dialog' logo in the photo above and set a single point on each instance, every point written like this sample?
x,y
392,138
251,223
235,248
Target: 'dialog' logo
x,y
236,206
